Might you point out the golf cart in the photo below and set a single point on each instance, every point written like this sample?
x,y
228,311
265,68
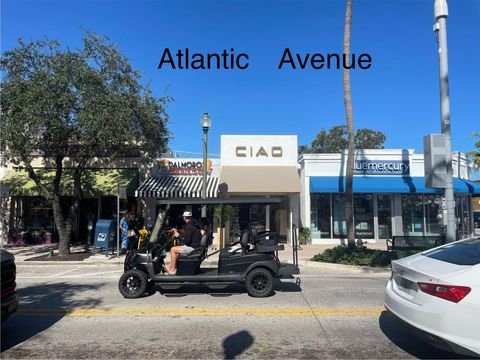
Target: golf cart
x,y
252,260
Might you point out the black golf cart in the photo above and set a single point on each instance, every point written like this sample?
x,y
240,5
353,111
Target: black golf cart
x,y
253,260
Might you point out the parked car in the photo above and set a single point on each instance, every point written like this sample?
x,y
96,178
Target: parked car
x,y
436,293
8,289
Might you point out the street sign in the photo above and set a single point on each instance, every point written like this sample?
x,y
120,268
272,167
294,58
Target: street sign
x,y
122,192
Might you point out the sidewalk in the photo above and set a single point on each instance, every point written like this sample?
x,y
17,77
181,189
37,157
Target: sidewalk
x,y
22,253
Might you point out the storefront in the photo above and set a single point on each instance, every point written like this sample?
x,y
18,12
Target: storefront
x,y
176,184
255,183
29,216
390,197
262,172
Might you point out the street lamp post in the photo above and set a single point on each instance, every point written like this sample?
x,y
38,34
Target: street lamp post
x,y
440,28
205,122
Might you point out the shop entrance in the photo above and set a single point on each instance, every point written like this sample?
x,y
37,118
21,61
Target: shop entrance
x,y
462,211
384,216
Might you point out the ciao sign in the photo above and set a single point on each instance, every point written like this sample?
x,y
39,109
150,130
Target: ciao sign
x,y
183,167
265,151
382,167
258,150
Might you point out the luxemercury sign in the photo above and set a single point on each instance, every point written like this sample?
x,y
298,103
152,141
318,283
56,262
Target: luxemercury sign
x,y
381,167
258,150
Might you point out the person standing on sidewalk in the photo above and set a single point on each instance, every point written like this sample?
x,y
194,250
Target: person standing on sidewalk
x,y
124,231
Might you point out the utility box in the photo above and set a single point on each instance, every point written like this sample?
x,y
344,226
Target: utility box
x,y
105,235
435,161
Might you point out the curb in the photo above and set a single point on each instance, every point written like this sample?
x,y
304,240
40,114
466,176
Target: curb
x,y
302,263
342,267
60,263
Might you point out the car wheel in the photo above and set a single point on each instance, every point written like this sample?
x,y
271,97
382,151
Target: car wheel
x,y
133,284
259,282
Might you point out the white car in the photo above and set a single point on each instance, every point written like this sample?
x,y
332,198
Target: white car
x,y
437,292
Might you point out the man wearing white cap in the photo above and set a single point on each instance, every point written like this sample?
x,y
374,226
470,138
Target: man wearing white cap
x,y
191,240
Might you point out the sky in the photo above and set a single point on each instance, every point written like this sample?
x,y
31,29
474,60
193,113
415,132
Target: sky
x,y
398,94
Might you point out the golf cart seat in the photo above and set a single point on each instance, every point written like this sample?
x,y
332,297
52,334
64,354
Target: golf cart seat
x,y
237,249
188,264
265,241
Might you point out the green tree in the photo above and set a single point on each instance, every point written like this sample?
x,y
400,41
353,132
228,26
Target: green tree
x,y
72,108
475,154
335,140
347,96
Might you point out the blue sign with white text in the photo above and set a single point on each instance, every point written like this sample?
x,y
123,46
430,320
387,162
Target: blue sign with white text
x,y
381,167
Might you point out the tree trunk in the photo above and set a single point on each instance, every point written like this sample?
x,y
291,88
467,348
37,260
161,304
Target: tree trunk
x,y
347,96
63,230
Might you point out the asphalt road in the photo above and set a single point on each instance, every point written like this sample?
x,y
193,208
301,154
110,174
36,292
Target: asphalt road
x,y
77,312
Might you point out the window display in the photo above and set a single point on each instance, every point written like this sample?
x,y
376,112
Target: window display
x,y
320,214
412,214
363,216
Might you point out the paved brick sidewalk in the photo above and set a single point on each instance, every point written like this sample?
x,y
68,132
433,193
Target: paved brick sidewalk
x,y
22,253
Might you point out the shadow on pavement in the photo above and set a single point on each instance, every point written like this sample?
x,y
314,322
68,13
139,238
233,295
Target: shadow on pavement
x,y
236,344
229,290
40,307
400,336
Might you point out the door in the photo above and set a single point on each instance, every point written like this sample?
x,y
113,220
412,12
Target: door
x,y
384,206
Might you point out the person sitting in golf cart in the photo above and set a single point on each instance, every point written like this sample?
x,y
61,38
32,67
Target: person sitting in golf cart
x,y
190,241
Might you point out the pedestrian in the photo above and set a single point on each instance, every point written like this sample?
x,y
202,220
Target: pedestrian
x,y
132,233
124,231
142,232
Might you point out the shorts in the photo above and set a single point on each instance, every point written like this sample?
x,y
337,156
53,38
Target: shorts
x,y
186,249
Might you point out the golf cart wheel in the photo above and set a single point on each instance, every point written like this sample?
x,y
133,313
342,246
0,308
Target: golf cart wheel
x,y
259,282
133,284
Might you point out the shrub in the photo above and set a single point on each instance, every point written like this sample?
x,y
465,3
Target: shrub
x,y
304,236
361,256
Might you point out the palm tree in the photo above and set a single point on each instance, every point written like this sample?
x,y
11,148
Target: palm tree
x,y
347,97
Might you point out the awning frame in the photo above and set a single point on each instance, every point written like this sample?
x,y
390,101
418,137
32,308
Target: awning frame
x,y
218,201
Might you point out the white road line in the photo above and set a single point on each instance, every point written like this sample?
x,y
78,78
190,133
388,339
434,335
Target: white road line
x,y
62,273
94,274
77,276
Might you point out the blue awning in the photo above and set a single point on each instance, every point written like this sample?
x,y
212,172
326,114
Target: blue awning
x,y
386,184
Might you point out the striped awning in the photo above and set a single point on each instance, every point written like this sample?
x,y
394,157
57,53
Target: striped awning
x,y
188,186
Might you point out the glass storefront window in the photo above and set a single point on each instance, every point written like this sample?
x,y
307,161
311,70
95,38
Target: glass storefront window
x,y
38,214
363,215
257,216
384,205
462,210
412,214
320,215
339,219
433,214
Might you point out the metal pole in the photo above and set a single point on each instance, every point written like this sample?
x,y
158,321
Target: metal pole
x,y
440,27
118,225
204,181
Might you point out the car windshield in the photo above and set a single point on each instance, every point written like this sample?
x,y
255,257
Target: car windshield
x,y
459,253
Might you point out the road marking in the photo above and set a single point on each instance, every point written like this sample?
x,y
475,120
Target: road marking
x,y
186,312
65,272
76,276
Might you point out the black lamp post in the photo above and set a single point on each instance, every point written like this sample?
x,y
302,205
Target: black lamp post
x,y
205,122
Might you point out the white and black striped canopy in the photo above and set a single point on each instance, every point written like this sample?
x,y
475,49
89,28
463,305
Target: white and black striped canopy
x,y
187,186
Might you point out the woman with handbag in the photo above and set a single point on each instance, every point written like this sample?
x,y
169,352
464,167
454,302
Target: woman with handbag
x,y
132,234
